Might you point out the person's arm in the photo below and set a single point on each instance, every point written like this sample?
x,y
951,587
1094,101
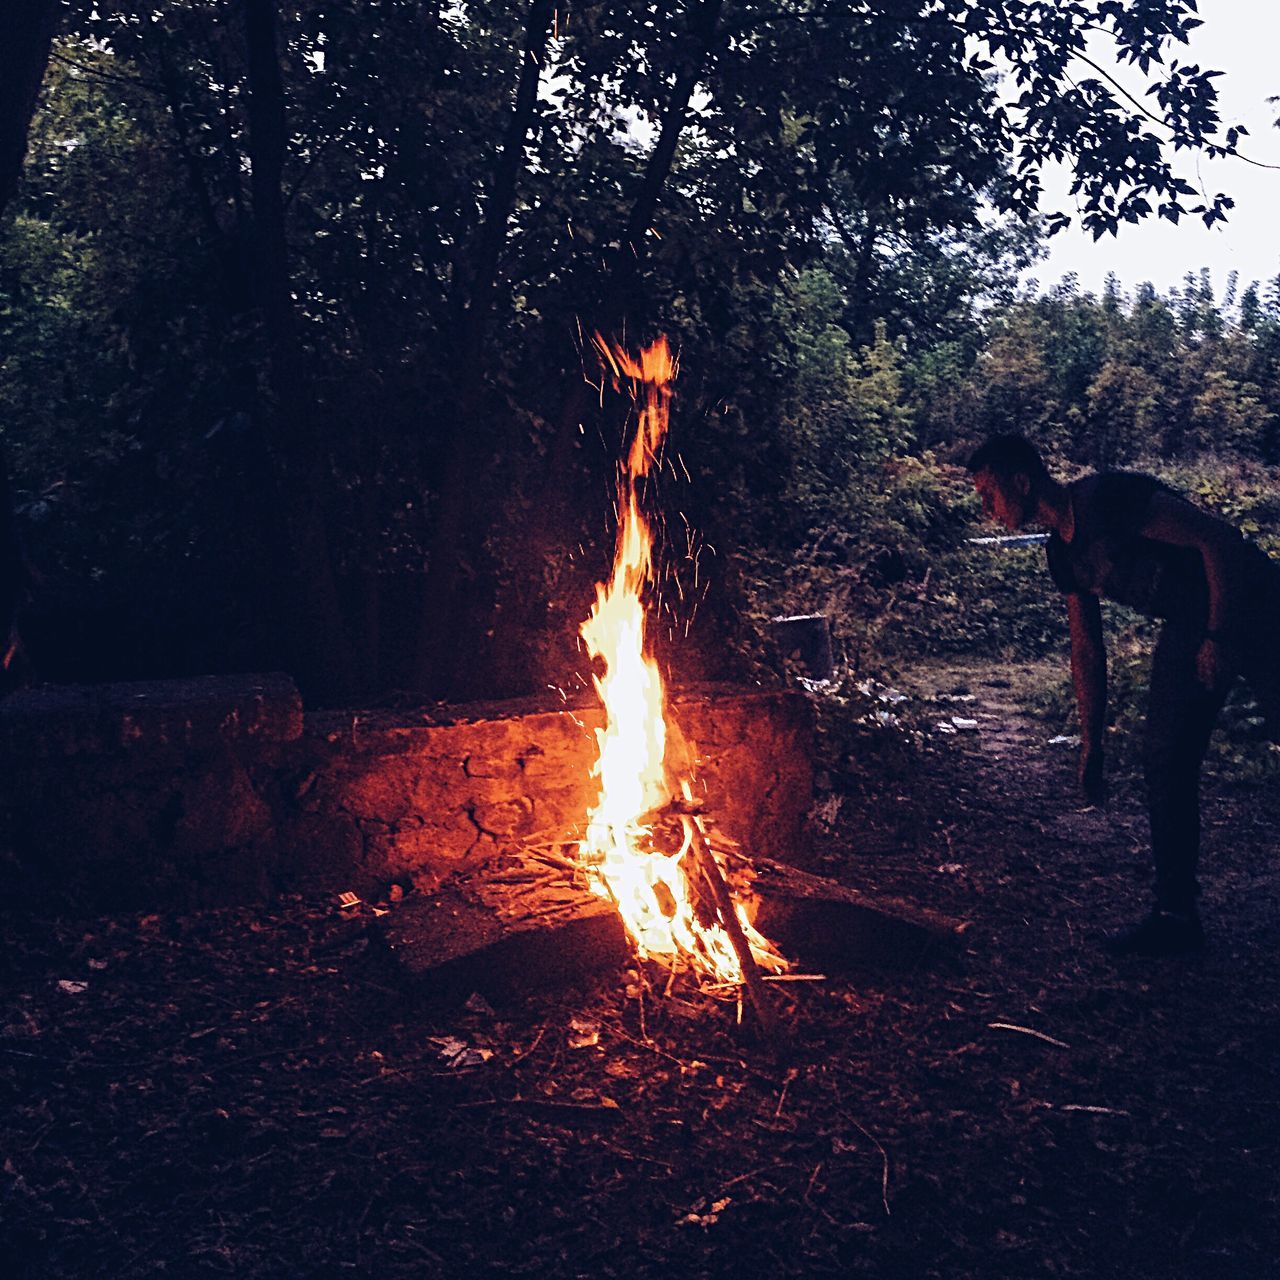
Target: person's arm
x,y
1173,520
1089,676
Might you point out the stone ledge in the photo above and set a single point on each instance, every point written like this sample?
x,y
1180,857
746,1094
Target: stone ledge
x,y
429,791
392,729
58,721
212,791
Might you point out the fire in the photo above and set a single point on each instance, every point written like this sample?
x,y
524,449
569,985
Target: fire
x,y
666,899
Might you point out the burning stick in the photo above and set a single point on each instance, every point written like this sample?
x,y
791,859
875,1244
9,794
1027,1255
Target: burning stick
x,y
728,912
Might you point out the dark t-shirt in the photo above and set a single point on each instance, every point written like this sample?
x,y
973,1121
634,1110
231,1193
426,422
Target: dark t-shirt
x,y
1107,557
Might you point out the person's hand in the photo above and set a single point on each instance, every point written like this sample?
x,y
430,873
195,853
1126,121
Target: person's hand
x,y
1213,668
1093,785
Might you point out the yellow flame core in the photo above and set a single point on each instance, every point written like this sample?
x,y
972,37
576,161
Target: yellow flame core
x,y
651,888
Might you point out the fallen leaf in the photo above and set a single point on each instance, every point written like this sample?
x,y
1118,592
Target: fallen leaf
x,y
583,1034
476,1003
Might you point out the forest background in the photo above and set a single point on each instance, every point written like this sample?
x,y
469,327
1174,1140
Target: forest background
x,y
295,309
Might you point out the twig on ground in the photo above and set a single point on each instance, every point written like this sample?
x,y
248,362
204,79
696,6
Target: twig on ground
x,y
1028,1031
606,1110
884,1166
1091,1110
644,1044
782,1096
537,1040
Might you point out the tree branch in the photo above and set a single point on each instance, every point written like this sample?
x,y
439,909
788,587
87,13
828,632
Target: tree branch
x,y
1160,120
107,77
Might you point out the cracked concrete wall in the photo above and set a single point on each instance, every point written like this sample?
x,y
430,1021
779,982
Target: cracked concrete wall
x,y
422,801
199,793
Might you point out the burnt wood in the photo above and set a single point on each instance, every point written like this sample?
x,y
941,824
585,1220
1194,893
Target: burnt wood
x,y
520,924
841,928
466,938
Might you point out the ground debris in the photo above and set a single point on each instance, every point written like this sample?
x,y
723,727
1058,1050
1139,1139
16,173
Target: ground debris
x,y
231,1095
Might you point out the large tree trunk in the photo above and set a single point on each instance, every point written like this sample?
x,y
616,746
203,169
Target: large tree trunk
x,y
699,38
314,629
458,527
29,27
13,581
227,244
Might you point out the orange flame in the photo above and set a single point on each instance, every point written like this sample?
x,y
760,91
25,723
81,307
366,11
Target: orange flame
x,y
651,888
653,373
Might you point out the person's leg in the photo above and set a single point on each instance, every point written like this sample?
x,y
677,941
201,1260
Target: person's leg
x,y
1180,720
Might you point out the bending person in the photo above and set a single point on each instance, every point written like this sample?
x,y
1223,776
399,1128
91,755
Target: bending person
x,y
1130,538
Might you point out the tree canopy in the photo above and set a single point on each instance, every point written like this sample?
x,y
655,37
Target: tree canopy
x,y
294,297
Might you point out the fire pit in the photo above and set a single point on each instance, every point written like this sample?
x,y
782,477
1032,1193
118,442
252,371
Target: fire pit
x,y
682,889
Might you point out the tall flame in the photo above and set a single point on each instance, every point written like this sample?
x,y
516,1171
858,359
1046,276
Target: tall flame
x,y
651,888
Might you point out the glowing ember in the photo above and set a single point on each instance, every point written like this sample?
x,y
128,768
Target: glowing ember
x,y
654,891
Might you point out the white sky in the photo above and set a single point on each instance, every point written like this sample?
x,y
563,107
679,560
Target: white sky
x,y
1241,38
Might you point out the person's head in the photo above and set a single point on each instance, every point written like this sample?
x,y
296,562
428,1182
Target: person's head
x,y
1010,477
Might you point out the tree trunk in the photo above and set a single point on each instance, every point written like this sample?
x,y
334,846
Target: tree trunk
x,y
458,525
621,284
561,510
313,627
13,583
227,245
698,40
24,53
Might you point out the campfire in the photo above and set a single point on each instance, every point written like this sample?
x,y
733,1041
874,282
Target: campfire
x,y
680,886
649,873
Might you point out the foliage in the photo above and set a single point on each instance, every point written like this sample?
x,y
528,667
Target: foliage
x,y
364,338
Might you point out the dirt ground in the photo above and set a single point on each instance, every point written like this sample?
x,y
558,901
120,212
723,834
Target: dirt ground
x,y
248,1094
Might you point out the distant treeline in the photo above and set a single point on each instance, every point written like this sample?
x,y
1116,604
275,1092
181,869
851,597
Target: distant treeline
x,y
1106,379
